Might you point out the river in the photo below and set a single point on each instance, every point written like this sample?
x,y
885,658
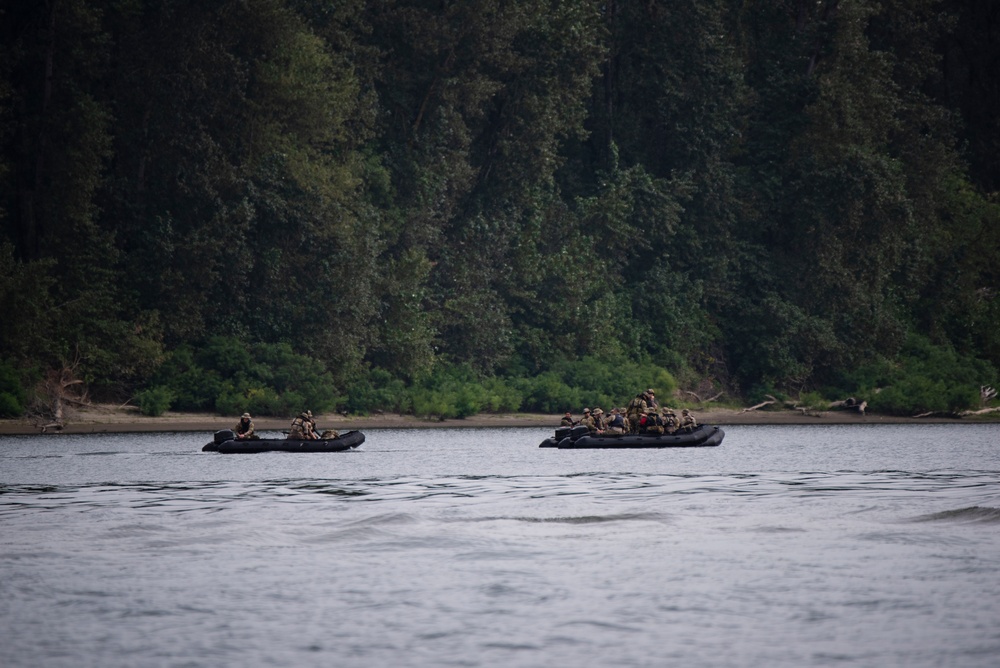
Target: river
x,y
847,545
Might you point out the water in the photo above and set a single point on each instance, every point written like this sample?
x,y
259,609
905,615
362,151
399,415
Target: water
x,y
786,546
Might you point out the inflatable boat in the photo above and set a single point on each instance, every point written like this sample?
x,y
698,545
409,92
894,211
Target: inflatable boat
x,y
579,437
225,442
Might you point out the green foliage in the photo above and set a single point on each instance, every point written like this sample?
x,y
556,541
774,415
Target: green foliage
x,y
454,207
13,396
154,401
589,382
927,378
376,391
813,401
228,377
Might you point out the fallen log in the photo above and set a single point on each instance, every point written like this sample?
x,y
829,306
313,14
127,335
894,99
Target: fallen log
x,y
771,400
981,411
704,401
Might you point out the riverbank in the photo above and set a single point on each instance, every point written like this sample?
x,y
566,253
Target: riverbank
x,y
115,419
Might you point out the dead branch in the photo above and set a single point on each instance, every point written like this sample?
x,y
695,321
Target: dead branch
x,y
985,394
851,403
771,399
981,411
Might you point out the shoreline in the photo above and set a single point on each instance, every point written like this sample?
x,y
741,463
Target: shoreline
x,y
105,419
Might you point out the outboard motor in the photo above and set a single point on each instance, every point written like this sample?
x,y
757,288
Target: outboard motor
x,y
224,435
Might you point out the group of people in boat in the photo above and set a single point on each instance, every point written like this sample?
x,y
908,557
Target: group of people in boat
x,y
303,428
643,415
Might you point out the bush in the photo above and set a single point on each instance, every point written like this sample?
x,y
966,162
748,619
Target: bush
x,y
594,382
231,378
154,401
926,378
13,397
10,407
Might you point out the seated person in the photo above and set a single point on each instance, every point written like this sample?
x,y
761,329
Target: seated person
x,y
653,424
303,428
244,428
616,423
670,421
688,423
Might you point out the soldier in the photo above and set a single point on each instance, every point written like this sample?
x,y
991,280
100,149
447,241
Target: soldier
x,y
303,428
651,399
567,420
653,424
244,428
687,420
599,420
616,424
634,412
670,422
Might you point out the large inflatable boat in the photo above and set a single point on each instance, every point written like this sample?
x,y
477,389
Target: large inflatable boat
x,y
225,442
579,437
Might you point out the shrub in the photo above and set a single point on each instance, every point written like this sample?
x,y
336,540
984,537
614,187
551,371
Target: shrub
x,y
926,378
229,377
154,401
13,397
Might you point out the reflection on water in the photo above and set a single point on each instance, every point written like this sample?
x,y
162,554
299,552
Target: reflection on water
x,y
786,546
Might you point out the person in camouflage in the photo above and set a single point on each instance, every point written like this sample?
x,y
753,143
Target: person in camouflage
x,y
303,428
567,420
244,429
634,412
653,425
616,423
688,423
670,421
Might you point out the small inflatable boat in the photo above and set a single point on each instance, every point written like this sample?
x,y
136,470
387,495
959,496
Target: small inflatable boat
x,y
579,437
225,442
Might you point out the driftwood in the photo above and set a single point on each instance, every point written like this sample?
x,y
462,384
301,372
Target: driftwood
x,y
851,403
985,394
981,411
703,401
771,400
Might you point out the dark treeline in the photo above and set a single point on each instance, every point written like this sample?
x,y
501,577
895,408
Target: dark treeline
x,y
350,203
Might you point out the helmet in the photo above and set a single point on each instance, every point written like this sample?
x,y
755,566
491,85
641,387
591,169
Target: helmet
x,y
245,415
309,414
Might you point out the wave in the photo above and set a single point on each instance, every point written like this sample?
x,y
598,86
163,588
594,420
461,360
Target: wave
x,y
978,514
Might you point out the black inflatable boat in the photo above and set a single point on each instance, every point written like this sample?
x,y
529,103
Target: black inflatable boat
x,y
226,443
579,437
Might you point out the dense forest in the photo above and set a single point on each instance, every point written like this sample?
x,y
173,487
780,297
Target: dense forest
x,y
448,207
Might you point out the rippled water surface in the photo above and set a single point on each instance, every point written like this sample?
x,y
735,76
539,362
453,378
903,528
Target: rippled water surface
x,y
785,546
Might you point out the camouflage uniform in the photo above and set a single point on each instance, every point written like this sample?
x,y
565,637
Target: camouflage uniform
x,y
634,412
616,425
653,423
687,420
244,428
567,420
599,421
670,422
303,428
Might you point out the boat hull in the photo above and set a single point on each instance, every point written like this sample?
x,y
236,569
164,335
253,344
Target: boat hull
x,y
700,437
346,441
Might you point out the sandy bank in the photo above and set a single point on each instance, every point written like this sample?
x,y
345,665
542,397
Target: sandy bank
x,y
106,419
